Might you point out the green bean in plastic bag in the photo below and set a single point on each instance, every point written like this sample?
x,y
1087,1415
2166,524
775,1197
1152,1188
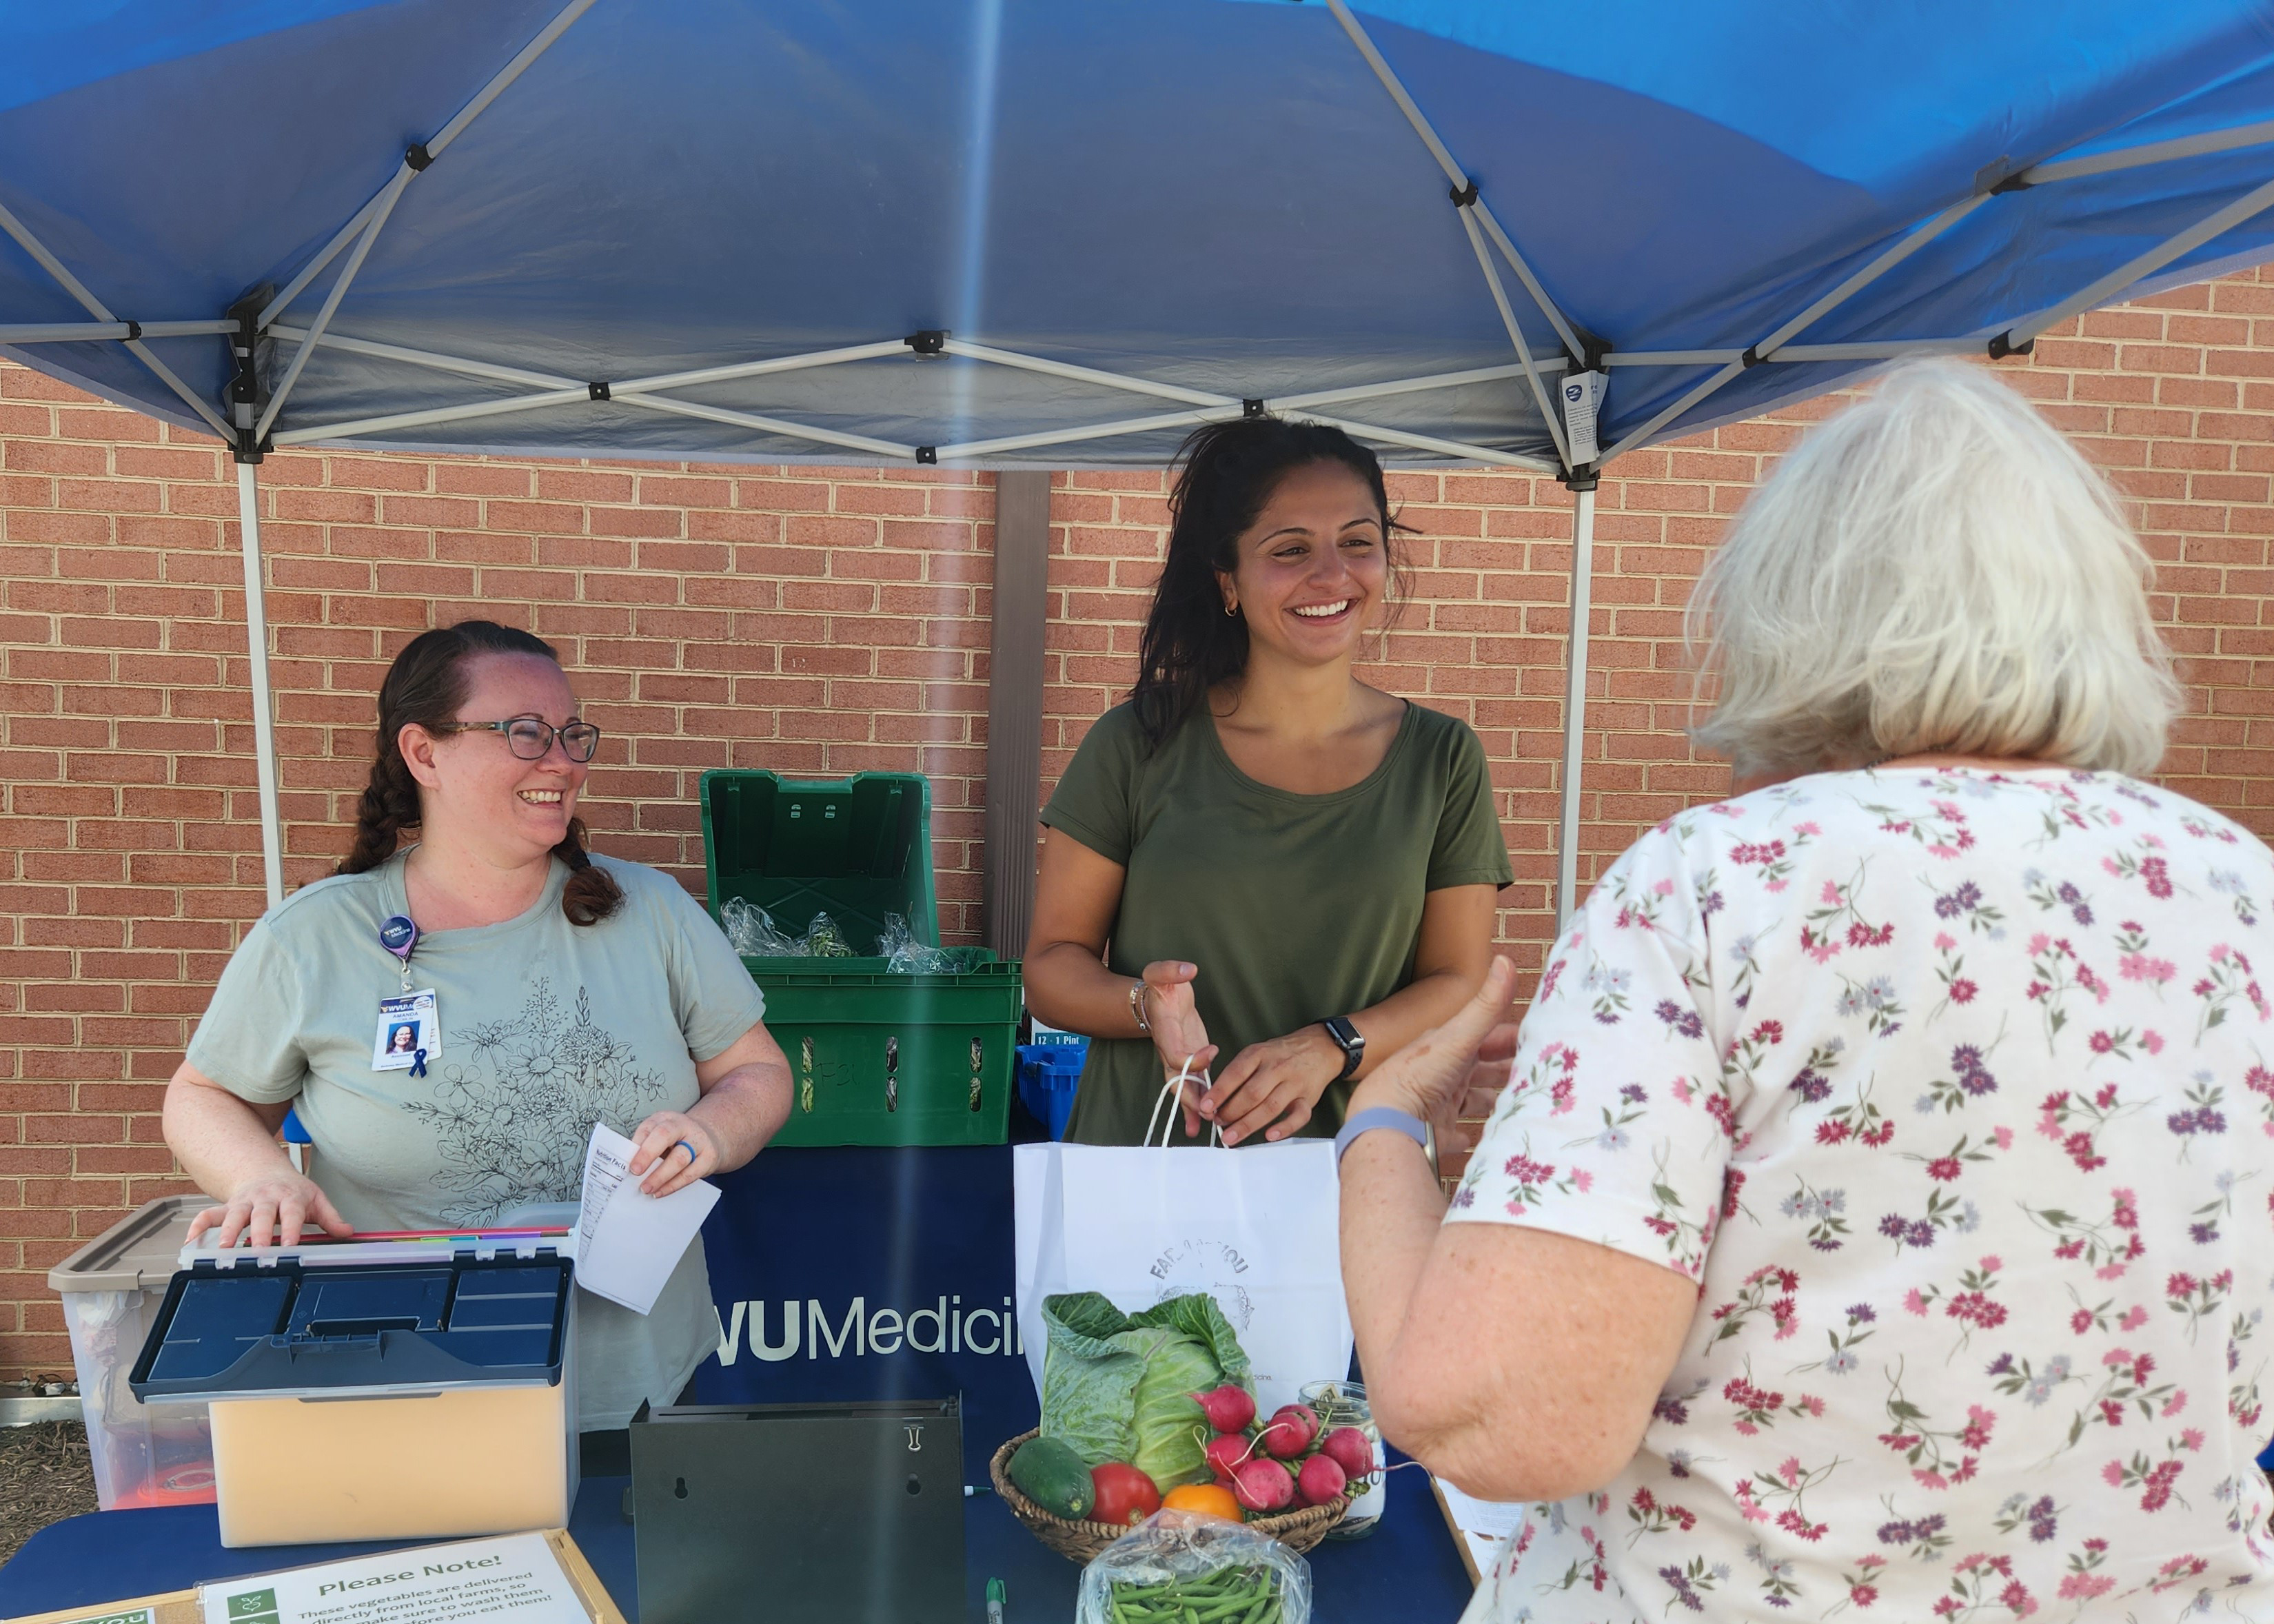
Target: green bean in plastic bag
x,y
1182,1567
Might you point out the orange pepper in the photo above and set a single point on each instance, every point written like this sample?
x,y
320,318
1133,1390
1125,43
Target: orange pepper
x,y
1209,1499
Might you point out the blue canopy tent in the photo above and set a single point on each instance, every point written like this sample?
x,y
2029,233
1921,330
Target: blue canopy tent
x,y
1021,233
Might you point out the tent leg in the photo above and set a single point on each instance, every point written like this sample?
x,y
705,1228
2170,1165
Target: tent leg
x,y
1575,706
264,721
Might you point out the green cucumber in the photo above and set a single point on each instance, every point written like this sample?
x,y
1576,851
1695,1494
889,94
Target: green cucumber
x,y
1050,1474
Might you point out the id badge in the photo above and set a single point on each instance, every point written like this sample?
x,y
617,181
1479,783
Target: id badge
x,y
409,1033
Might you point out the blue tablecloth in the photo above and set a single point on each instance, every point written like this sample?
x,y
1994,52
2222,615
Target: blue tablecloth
x,y
1406,1569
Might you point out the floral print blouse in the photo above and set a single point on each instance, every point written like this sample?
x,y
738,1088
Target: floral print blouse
x,y
1953,1091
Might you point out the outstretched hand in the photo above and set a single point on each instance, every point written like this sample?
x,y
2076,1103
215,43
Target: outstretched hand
x,y
1179,1036
1430,1074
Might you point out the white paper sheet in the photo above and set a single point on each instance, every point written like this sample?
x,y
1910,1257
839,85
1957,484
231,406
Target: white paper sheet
x,y
516,1578
627,1241
1481,1523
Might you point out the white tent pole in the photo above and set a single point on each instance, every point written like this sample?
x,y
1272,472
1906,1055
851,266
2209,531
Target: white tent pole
x,y
2154,152
1454,173
1084,374
432,148
1548,414
1895,254
81,332
1409,385
338,291
96,308
2255,201
264,720
1575,705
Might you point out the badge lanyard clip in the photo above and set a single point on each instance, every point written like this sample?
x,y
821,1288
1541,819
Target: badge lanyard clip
x,y
399,936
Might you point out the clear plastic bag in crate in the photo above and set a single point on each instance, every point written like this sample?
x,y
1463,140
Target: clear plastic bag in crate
x,y
1179,1564
751,931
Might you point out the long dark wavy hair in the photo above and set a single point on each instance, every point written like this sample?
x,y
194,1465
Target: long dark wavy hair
x,y
426,685
1225,473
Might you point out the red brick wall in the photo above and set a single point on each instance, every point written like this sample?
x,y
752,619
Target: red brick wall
x,y
819,622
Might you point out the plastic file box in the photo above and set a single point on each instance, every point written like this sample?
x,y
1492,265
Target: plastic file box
x,y
375,1399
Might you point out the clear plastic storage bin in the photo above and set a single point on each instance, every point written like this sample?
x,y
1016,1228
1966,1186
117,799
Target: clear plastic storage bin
x,y
111,1288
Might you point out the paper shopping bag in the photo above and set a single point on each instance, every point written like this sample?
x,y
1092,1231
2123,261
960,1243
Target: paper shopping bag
x,y
1255,1229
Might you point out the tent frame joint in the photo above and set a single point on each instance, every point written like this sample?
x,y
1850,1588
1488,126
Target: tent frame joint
x,y
929,342
2003,345
1586,477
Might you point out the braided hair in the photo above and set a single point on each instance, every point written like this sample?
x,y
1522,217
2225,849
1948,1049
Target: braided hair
x,y
425,685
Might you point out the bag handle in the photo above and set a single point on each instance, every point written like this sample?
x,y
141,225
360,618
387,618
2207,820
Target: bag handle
x,y
1176,1086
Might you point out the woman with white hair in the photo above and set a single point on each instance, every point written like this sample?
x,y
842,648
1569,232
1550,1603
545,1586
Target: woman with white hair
x,y
1875,1217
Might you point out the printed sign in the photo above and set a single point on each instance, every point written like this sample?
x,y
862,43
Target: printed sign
x,y
516,1577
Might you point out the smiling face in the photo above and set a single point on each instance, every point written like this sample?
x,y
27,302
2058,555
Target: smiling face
x,y
474,792
1312,567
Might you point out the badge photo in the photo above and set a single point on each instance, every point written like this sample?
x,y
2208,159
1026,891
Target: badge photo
x,y
409,1033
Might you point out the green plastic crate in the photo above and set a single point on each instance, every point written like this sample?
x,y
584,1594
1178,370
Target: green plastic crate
x,y
875,1057
857,848
879,1058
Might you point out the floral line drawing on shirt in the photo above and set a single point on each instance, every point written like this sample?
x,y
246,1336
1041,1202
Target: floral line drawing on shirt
x,y
512,1120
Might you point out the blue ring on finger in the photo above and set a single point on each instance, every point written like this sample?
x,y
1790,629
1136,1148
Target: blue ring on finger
x,y
692,1158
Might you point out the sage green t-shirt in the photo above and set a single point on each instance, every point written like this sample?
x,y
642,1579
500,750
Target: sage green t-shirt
x,y
546,1027
1295,907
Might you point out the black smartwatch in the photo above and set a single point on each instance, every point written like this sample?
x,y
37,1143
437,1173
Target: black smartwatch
x,y
1350,1040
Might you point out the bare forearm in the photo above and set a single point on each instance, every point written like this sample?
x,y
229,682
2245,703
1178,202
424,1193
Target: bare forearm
x,y
744,1109
1069,987
1425,1001
222,1142
1391,1214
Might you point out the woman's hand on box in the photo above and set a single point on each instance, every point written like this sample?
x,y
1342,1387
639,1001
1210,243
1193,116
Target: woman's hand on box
x,y
272,1208
1272,1087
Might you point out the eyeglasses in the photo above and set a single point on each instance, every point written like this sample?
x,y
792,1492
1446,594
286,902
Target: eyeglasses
x,y
532,739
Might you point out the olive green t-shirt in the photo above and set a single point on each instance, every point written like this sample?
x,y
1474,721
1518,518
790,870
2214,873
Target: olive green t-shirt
x,y
1295,907
546,1027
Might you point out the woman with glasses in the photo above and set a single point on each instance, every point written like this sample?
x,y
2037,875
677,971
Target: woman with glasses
x,y
548,990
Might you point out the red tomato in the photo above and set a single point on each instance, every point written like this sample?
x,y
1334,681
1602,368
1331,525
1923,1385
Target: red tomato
x,y
1124,1495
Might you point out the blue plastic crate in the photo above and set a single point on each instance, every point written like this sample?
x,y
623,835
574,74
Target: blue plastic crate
x,y
1049,1073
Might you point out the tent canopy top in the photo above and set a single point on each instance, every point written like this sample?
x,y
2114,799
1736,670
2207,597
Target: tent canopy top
x,y
1019,233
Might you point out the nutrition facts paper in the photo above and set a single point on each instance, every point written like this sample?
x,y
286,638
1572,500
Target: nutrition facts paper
x,y
627,1241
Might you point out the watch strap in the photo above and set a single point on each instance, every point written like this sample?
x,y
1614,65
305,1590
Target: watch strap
x,y
1380,1117
1350,1040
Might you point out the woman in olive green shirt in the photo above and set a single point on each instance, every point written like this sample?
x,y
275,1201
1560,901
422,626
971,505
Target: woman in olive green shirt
x,y
1259,856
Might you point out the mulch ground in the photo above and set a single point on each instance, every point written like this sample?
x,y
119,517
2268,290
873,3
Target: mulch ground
x,y
44,1477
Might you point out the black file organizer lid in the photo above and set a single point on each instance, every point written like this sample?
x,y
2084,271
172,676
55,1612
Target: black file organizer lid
x,y
255,1329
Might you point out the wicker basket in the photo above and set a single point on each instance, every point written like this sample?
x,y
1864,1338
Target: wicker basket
x,y
1078,1542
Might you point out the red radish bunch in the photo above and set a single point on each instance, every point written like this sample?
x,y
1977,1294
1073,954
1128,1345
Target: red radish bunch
x,y
1290,1430
1349,1449
1228,1409
1226,1453
1263,1485
1282,1462
1320,1481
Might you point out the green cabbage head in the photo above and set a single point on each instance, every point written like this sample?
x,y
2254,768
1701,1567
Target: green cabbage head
x,y
1118,1387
